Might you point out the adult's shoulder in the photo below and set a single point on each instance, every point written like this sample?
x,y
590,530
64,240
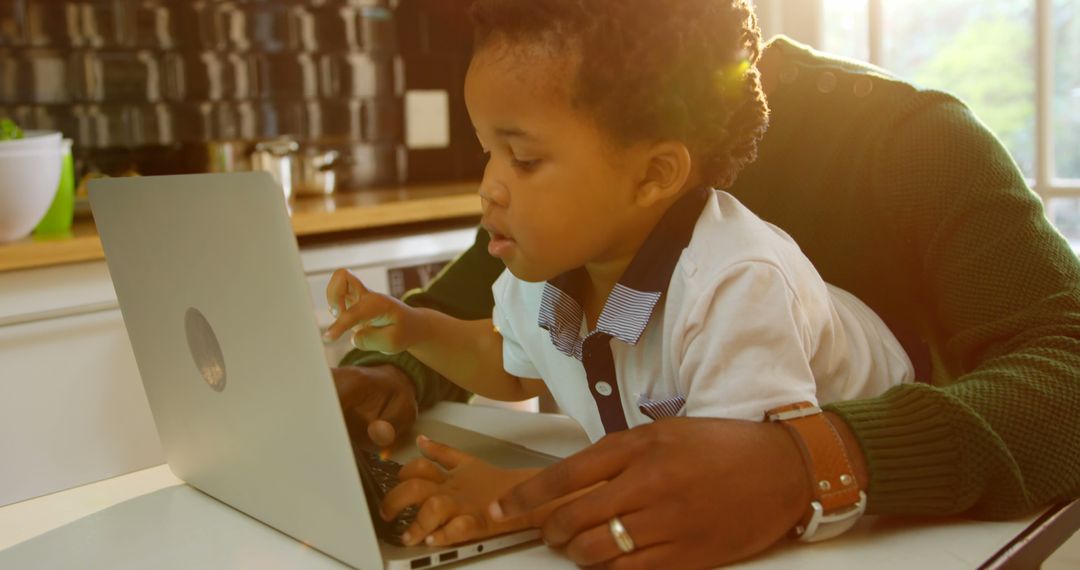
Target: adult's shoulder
x,y
832,86
832,115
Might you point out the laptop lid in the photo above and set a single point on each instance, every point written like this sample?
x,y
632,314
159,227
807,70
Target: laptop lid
x,y
211,288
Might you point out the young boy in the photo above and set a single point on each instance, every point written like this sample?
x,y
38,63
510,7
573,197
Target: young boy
x,y
634,290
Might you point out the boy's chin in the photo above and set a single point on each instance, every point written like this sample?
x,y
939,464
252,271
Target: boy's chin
x,y
528,274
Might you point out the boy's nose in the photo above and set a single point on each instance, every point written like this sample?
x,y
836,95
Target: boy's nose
x,y
493,193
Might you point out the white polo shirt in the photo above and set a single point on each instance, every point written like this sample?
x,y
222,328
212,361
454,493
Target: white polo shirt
x,y
746,324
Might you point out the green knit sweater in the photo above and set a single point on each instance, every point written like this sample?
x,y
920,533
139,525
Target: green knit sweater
x,y
902,197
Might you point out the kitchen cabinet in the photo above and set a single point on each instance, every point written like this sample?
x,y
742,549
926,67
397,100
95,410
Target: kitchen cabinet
x,y
72,406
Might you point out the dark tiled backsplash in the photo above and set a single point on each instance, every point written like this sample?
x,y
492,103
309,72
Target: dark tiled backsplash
x,y
137,80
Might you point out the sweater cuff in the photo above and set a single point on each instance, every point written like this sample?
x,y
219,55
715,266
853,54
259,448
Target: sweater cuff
x,y
431,388
912,454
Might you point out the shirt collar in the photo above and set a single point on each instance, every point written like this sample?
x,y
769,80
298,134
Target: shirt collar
x,y
632,301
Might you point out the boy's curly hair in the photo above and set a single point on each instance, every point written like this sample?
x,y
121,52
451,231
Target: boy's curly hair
x,y
653,69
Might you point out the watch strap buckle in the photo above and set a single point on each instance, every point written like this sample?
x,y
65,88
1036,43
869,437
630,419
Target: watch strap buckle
x,y
837,501
823,526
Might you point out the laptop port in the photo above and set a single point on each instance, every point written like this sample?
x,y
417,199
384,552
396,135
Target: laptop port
x,y
421,562
448,556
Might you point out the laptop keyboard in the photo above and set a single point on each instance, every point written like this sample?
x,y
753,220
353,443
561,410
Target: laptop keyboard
x,y
378,476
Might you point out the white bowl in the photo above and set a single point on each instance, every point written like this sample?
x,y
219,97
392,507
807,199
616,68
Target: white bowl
x,y
32,140
28,182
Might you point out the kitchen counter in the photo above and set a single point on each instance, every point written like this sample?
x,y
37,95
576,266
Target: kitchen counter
x,y
311,217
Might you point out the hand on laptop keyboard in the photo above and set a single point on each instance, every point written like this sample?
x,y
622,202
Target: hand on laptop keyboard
x,y
378,476
453,490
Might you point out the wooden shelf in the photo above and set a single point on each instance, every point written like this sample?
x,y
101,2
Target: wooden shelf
x,y
311,216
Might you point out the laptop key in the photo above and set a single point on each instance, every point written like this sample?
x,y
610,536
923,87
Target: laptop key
x,y
378,476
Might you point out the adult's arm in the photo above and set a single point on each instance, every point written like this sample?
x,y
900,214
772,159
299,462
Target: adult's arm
x,y
995,433
463,290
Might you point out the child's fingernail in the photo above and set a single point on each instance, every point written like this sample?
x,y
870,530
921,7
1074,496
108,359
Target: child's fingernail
x,y
335,311
430,540
495,510
406,538
422,438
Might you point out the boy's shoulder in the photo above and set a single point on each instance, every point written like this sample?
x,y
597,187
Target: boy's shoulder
x,y
731,242
727,234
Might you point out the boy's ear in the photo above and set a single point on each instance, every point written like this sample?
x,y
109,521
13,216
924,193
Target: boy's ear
x,y
667,168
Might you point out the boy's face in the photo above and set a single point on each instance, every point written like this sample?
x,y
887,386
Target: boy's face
x,y
557,193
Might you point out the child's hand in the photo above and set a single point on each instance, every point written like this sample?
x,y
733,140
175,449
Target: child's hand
x,y
453,500
383,323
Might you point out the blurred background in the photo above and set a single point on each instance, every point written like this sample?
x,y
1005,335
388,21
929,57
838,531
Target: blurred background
x,y
1015,62
367,90
363,93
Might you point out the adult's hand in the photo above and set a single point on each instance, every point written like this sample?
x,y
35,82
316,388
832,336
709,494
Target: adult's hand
x,y
691,493
379,402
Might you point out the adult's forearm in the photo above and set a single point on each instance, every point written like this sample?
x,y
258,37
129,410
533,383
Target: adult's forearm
x,y
997,299
1000,443
431,388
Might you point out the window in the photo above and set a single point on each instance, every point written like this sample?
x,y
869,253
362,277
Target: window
x,y
1012,61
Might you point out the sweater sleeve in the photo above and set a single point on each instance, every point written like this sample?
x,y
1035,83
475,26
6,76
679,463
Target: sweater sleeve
x,y
463,290
995,433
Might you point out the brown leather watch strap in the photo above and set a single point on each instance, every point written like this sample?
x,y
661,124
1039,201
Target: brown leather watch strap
x,y
834,484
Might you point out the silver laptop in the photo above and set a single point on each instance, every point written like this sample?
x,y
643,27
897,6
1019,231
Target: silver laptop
x,y
208,277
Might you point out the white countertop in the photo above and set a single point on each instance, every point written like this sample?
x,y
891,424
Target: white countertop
x,y
152,519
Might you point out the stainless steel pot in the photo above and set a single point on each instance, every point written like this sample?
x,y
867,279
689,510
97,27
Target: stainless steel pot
x,y
279,158
317,172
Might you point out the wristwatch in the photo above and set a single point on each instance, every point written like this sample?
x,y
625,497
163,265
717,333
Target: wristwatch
x,y
838,501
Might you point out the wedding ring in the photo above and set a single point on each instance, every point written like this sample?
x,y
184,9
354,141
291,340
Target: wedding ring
x,y
622,538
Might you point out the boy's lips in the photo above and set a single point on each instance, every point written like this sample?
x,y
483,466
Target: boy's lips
x,y
500,243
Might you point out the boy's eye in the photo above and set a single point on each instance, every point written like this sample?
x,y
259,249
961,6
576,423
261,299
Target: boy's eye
x,y
517,164
525,165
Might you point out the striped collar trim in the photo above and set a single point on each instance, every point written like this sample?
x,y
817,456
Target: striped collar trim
x,y
632,301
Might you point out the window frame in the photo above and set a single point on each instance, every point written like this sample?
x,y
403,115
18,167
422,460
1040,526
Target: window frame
x,y
1046,184
804,20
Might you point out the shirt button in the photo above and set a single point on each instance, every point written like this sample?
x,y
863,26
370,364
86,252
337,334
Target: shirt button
x,y
789,73
862,87
603,388
826,82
